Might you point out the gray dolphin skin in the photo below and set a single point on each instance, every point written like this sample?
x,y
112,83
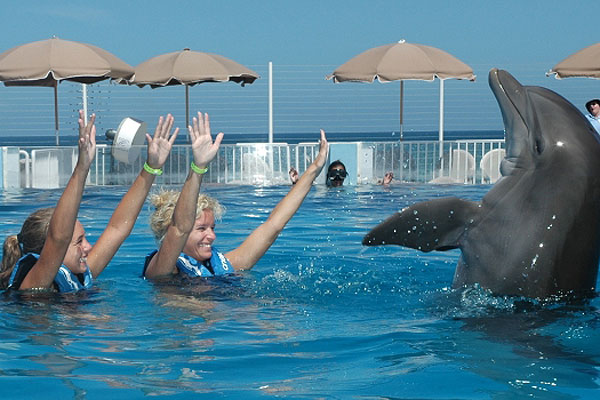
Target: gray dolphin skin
x,y
536,233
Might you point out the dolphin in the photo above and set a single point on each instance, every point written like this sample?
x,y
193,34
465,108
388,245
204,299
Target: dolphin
x,y
536,232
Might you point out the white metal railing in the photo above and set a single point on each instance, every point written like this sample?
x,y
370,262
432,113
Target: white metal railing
x,y
421,162
461,162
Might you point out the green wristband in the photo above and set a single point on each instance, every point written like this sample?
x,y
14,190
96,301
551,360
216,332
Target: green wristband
x,y
152,171
198,170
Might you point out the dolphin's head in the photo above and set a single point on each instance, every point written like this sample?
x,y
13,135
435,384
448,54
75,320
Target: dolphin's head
x,y
538,122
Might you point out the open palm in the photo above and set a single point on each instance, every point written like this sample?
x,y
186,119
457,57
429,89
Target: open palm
x,y
160,145
203,147
87,140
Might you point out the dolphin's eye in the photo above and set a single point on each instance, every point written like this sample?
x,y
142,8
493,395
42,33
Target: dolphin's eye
x,y
539,146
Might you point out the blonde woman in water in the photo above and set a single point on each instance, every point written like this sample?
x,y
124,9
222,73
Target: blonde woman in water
x,y
184,223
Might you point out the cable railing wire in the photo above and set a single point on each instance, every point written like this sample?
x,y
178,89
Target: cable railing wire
x,y
303,102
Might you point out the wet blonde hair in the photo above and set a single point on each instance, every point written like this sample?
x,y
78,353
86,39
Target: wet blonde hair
x,y
31,239
164,205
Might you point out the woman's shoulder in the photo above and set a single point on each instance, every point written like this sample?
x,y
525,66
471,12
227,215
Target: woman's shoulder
x,y
22,268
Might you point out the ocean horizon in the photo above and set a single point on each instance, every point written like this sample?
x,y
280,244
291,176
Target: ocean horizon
x,y
290,138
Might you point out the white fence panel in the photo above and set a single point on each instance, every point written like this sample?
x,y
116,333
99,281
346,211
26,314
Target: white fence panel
x,y
461,162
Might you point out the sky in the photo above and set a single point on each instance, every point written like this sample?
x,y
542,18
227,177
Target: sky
x,y
507,34
308,31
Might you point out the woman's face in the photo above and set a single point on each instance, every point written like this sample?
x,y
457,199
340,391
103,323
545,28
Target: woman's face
x,y
77,252
200,240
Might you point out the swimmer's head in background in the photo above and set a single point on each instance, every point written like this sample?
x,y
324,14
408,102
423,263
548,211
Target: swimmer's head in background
x,y
336,173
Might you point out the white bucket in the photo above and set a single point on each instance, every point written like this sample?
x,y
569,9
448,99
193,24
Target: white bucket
x,y
128,141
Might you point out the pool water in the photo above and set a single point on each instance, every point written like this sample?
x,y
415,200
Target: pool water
x,y
320,316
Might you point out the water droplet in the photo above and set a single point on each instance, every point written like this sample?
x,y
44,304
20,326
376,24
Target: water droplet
x,y
534,262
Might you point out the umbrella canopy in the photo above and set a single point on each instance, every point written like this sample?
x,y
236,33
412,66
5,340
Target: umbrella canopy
x,y
403,61
187,67
585,63
47,62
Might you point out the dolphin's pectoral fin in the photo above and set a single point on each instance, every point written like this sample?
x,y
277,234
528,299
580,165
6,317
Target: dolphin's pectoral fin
x,y
430,225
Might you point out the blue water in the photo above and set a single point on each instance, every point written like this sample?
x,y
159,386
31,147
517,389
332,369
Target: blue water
x,y
319,317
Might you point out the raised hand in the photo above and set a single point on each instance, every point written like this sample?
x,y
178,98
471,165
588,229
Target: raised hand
x,y
387,178
160,145
323,150
203,147
87,140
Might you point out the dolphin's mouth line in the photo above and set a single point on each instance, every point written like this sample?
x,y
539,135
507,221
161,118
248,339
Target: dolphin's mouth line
x,y
514,106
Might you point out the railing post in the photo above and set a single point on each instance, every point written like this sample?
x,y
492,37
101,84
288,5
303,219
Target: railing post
x,y
270,102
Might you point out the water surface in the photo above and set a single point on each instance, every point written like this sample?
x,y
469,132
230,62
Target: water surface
x,y
320,316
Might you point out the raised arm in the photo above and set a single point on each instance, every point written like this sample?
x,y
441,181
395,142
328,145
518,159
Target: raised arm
x,y
259,241
123,219
62,223
184,215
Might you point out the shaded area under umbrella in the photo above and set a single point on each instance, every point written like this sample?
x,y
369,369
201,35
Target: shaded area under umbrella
x,y
584,63
404,61
48,62
188,68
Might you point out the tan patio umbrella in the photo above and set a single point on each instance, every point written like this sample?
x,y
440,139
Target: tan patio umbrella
x,y
188,68
584,63
47,62
402,61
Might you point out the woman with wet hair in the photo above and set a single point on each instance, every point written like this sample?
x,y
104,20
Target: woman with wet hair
x,y
184,223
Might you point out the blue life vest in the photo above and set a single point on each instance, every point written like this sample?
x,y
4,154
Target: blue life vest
x,y
65,281
218,264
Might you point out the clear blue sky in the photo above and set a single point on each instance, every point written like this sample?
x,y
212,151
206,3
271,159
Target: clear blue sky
x,y
508,34
309,31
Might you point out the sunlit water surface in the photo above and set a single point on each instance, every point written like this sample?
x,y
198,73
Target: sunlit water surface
x,y
320,316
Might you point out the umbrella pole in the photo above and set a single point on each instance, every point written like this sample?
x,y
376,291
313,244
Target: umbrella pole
x,y
441,131
187,106
56,111
401,109
84,101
